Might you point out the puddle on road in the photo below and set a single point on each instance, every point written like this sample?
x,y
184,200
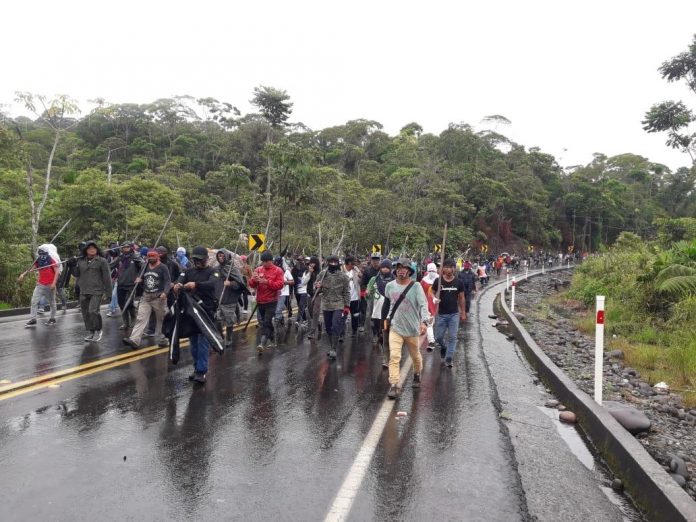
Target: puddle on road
x,y
579,448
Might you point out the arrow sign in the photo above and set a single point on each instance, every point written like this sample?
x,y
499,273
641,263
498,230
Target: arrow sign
x,y
257,242
377,249
438,247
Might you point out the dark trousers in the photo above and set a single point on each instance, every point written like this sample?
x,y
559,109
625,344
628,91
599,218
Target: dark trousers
x,y
467,299
355,315
266,312
89,306
130,314
334,322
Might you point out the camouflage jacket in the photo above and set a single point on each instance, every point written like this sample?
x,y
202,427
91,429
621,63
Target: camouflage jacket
x,y
335,290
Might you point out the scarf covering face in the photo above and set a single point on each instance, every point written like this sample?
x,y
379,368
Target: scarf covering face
x,y
382,280
47,253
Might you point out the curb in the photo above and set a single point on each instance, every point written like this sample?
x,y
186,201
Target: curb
x,y
651,488
11,312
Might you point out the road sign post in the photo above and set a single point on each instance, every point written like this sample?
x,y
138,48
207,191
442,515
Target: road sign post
x,y
599,349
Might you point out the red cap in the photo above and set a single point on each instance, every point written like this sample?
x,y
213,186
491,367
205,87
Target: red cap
x,y
152,253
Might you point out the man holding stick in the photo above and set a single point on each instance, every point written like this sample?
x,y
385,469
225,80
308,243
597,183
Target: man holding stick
x,y
48,272
450,309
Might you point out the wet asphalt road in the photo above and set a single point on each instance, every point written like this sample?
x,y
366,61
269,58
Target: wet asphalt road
x,y
268,438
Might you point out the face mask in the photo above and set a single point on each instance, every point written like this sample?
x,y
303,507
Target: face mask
x,y
152,261
333,268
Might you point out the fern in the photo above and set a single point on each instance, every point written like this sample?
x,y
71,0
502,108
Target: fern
x,y
678,280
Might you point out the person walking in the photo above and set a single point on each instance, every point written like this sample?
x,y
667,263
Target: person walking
x,y
406,321
368,273
468,279
451,308
156,283
354,279
376,291
94,277
48,272
128,265
427,283
314,297
230,288
334,287
267,279
201,281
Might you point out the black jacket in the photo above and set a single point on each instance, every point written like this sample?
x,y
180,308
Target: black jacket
x,y
206,283
468,279
185,318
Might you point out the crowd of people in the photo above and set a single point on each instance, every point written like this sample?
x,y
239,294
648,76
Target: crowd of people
x,y
203,295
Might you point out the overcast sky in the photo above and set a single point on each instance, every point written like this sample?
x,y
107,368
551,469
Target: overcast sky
x,y
569,75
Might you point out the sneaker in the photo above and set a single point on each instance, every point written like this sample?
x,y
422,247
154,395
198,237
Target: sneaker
x,y
97,336
163,342
149,334
89,337
192,376
394,391
448,362
385,363
123,327
50,322
199,378
416,380
332,354
431,347
361,329
130,342
262,345
30,323
40,311
110,314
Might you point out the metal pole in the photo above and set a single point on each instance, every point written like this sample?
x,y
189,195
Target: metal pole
x,y
61,230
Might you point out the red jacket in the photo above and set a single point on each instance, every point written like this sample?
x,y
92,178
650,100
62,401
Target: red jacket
x,y
268,292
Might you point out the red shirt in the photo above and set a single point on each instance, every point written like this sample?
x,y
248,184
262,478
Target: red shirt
x,y
47,274
268,292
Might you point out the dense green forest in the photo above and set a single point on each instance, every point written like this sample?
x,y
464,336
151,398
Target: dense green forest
x,y
118,170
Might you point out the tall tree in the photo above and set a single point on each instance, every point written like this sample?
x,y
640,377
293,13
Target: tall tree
x,y
275,107
672,117
55,114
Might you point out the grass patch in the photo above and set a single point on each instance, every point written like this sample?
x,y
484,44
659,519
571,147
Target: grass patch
x,y
5,306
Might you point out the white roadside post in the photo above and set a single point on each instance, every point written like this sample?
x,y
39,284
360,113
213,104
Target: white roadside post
x,y
526,272
543,263
512,297
507,279
599,349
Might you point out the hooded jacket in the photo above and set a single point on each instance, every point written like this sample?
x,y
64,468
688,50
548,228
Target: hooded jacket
x,y
93,275
228,271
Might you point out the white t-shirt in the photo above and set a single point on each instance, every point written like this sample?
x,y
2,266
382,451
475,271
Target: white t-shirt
x,y
354,289
286,277
302,285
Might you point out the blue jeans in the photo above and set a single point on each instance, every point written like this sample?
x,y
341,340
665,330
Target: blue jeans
x,y
443,324
199,352
113,305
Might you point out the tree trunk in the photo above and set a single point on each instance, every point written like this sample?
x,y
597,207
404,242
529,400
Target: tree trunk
x,y
36,211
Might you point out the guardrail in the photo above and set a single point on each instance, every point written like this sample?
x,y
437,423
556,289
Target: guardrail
x,y
651,488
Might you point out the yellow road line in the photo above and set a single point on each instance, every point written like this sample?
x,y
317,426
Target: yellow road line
x,y
49,379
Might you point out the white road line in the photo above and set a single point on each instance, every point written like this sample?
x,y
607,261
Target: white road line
x,y
343,502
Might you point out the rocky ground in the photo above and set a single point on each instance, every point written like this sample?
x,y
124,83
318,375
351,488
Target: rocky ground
x,y
671,437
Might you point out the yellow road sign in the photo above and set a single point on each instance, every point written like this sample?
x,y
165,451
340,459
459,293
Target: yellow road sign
x,y
571,248
377,249
438,247
257,242
530,248
484,248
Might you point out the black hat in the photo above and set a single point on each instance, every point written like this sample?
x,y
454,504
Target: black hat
x,y
266,256
162,250
199,252
386,264
449,262
332,259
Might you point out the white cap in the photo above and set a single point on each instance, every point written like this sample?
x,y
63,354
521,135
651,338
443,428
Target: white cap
x,y
432,267
181,250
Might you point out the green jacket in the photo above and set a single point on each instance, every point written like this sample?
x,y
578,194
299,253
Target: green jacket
x,y
335,290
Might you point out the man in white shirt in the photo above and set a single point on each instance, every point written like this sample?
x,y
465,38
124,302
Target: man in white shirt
x,y
354,276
